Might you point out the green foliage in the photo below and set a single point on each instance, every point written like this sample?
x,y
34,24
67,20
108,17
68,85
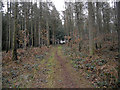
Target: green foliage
x,y
101,62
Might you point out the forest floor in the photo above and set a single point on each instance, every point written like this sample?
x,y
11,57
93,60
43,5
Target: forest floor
x,y
53,71
54,67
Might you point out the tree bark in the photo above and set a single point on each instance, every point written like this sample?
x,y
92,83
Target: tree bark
x,y
10,27
25,37
14,50
39,34
91,28
0,48
118,29
99,23
7,31
48,42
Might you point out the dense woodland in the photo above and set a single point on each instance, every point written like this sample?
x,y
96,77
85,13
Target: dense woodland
x,y
92,28
37,24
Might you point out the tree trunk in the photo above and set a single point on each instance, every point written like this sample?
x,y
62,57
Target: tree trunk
x,y
7,35
118,28
91,28
31,25
25,43
0,34
39,34
48,42
14,50
53,36
1,48
10,27
7,31
32,31
99,23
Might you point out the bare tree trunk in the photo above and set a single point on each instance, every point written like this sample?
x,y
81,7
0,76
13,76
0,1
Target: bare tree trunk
x,y
91,28
118,29
53,36
7,36
0,48
25,41
39,34
35,34
48,42
14,50
10,27
31,24
99,24
32,31
7,32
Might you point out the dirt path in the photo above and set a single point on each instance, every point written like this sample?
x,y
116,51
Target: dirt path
x,y
66,74
52,71
62,74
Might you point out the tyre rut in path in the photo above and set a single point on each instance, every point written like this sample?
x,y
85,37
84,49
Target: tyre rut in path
x,y
71,78
65,74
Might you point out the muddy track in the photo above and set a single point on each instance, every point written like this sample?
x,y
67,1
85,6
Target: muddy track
x,y
71,79
68,82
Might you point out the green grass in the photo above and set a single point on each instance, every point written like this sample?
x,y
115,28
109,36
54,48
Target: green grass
x,y
60,47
